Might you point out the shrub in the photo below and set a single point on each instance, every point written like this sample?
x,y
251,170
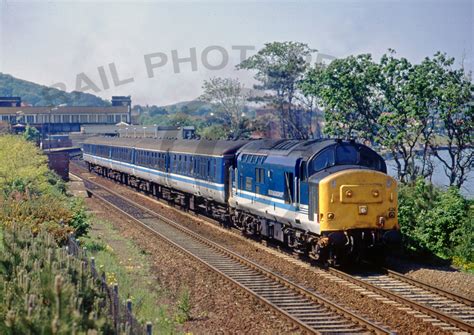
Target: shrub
x,y
432,220
44,290
34,195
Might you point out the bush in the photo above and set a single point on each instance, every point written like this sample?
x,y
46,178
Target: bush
x,y
435,221
44,290
34,195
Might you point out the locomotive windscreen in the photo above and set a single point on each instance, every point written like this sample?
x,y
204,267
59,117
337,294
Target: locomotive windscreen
x,y
346,154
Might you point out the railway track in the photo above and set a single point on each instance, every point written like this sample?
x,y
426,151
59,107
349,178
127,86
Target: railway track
x,y
307,309
443,309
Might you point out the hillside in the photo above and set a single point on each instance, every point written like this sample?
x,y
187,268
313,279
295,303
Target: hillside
x,y
39,95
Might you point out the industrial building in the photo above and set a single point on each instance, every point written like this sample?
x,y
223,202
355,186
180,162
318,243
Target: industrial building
x,y
63,119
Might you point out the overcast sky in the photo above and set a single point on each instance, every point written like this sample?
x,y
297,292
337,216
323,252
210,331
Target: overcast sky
x,y
60,41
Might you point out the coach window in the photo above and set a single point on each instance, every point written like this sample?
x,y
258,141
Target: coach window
x,y
215,169
208,168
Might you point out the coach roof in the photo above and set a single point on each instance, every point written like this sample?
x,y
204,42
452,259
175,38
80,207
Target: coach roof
x,y
198,147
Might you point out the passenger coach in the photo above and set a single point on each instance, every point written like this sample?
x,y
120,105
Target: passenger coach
x,y
196,168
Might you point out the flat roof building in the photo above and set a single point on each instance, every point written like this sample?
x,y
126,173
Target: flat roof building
x,y
63,118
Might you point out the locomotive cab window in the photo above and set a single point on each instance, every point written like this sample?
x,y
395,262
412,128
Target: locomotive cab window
x,y
322,161
346,155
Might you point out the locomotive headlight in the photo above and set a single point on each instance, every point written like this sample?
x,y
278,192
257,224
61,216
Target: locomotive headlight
x,y
363,210
375,193
349,193
391,213
330,216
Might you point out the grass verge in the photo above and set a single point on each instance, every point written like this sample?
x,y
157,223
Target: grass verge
x,y
127,265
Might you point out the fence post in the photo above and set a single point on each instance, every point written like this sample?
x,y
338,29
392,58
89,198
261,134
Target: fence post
x,y
116,306
93,266
129,313
149,328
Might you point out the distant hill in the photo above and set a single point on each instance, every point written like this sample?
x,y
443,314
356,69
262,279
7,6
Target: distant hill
x,y
193,107
40,95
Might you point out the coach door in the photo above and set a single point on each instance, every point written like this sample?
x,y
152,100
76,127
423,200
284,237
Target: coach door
x,y
227,178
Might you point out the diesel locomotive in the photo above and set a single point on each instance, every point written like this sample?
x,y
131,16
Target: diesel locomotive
x,y
329,199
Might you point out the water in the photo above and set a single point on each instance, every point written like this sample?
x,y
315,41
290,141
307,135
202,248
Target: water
x,y
439,177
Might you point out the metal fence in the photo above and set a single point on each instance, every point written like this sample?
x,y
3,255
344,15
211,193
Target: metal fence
x,y
121,313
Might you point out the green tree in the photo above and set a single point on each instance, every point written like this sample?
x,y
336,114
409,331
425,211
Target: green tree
x,y
31,134
228,99
453,91
213,132
279,67
346,89
400,106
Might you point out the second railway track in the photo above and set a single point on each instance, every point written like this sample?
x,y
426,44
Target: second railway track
x,y
310,311
450,311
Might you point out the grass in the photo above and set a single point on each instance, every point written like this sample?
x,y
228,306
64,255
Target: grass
x,y
128,266
1,239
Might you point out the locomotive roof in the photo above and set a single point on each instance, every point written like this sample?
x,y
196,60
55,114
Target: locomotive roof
x,y
199,147
297,148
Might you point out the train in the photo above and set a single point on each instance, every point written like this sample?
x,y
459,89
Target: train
x,y
328,199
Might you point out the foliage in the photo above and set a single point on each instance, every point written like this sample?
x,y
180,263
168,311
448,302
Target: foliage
x,y
279,67
453,92
80,219
32,194
184,307
435,221
44,290
404,108
31,134
464,241
39,95
213,132
228,99
346,87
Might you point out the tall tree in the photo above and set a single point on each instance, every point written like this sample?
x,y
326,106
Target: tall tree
x,y
228,98
404,113
346,88
455,115
400,106
279,67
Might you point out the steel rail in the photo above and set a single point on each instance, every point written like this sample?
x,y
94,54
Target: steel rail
x,y
428,287
339,311
405,301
